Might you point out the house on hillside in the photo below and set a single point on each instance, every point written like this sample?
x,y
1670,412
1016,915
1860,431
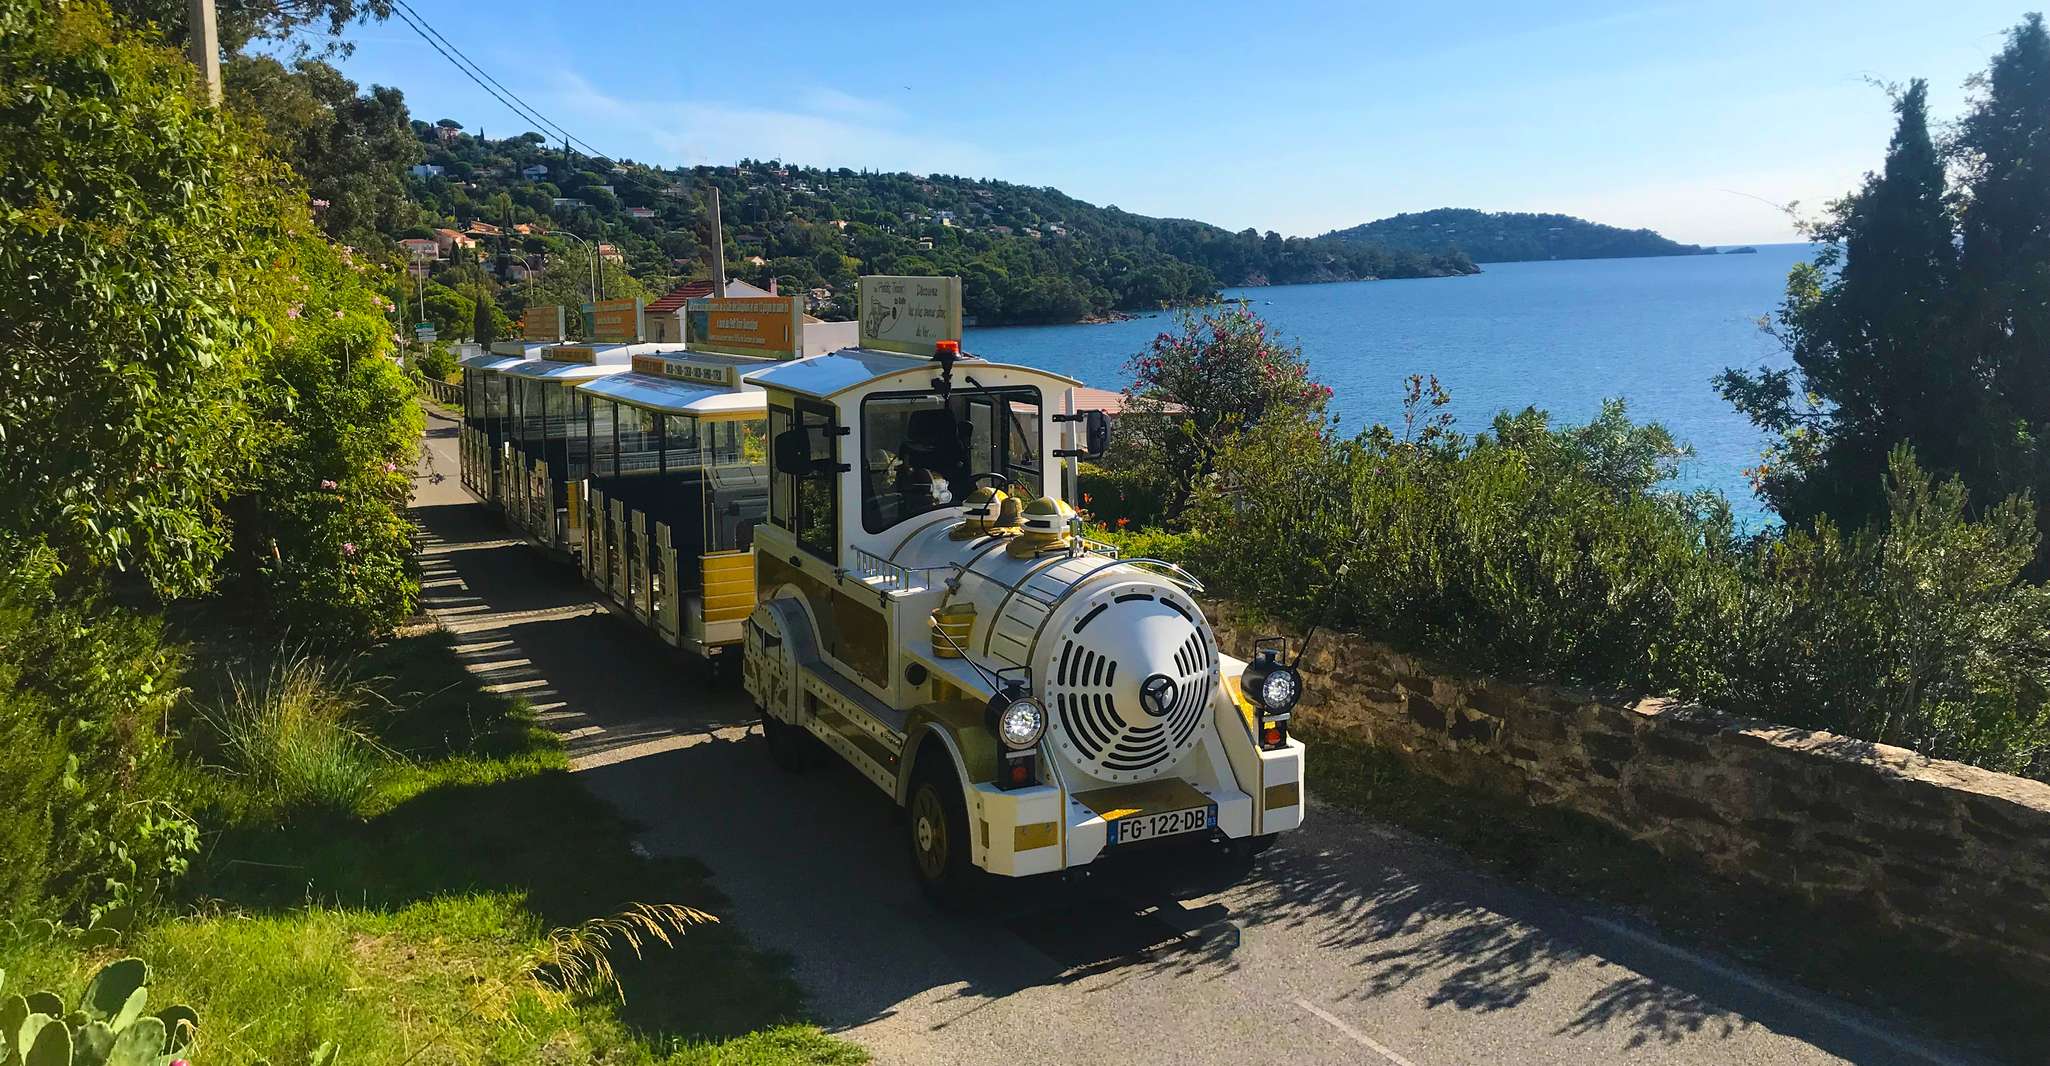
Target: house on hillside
x,y
483,229
534,172
641,212
565,203
925,244
421,249
451,242
529,229
610,254
425,170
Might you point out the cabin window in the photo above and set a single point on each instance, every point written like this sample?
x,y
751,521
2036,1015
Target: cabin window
x,y
640,441
804,469
921,453
603,416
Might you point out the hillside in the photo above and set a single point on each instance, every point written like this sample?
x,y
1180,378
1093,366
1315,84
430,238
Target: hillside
x,y
1511,236
1027,255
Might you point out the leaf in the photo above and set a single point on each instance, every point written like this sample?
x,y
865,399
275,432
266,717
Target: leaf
x,y
46,1003
324,1055
181,1025
140,1044
92,1044
113,987
13,1011
52,1046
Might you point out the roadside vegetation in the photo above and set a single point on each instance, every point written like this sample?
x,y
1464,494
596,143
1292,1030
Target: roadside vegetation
x,y
223,753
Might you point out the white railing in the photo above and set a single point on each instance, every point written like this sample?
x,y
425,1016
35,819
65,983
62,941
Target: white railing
x,y
882,574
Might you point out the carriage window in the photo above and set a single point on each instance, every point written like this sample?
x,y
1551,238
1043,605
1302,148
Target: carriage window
x,y
920,453
804,472
604,445
680,450
640,441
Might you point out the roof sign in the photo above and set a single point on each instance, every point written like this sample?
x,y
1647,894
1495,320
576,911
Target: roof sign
x,y
909,315
542,322
719,375
768,326
616,321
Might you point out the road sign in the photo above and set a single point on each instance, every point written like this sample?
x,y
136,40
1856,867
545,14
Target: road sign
x,y
424,332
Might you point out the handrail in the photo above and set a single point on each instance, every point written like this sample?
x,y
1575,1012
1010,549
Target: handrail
x,y
890,576
442,392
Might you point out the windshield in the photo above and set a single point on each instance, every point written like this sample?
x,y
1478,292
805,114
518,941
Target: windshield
x,y
921,453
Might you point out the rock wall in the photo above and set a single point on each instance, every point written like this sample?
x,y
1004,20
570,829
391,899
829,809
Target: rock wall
x,y
1957,855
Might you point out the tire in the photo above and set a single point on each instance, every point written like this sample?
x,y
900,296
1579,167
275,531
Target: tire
x,y
936,825
791,748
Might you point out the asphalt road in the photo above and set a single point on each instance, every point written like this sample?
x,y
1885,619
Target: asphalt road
x,y
1352,942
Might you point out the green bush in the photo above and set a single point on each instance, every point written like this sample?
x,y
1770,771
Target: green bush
x,y
86,691
1551,552
437,362
1110,493
326,525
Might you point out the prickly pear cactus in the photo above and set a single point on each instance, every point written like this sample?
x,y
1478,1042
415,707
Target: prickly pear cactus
x,y
107,1028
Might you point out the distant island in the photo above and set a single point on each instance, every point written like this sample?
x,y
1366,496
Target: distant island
x,y
1512,236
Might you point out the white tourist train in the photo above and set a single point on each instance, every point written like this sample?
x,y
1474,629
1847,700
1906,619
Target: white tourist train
x,y
886,536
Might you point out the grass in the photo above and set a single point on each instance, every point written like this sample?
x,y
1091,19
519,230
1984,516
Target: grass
x,y
412,924
1832,949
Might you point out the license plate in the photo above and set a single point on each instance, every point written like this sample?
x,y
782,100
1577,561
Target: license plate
x,y
1137,827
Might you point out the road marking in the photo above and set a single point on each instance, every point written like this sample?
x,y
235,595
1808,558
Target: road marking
x,y
1731,973
1358,1037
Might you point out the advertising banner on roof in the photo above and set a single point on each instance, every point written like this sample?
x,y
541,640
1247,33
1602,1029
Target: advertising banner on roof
x,y
771,326
542,322
616,321
909,315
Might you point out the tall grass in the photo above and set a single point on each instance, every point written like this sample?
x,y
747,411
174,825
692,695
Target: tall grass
x,y
293,735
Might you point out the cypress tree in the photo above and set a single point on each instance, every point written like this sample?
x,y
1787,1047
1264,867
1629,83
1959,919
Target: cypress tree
x,y
1869,339
2003,149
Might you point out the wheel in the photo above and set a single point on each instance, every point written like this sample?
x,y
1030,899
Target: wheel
x,y
937,821
791,748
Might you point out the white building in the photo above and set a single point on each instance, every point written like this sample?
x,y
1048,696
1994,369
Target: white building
x,y
534,172
426,170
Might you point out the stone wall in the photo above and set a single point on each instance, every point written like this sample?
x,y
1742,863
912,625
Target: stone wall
x,y
1956,854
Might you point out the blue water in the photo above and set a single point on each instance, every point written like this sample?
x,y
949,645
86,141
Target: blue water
x,y
1559,336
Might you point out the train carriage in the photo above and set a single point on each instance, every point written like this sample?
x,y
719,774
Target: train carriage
x,y
676,484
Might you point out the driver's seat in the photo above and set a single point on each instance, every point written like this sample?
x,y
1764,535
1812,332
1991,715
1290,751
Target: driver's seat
x,y
934,441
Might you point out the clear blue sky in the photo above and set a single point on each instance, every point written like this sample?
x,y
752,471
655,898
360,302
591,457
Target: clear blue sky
x,y
1295,117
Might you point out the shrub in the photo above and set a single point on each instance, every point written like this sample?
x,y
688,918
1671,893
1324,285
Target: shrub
x,y
136,228
291,736
86,689
1110,493
1541,551
437,362
326,526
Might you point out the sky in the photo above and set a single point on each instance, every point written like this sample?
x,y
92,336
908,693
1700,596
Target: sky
x,y
1697,120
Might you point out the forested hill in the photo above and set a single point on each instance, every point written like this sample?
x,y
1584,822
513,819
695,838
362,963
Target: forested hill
x,y
1025,254
1512,236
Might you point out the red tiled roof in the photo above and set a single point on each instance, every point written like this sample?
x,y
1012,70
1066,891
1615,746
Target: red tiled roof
x,y
674,299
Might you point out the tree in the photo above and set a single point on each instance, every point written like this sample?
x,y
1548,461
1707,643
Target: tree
x,y
137,233
484,326
451,312
1869,327
2003,150
351,149
1216,374
238,22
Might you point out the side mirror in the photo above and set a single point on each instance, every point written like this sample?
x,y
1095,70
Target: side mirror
x,y
1095,434
793,452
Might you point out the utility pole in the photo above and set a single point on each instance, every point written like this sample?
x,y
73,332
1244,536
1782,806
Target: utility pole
x,y
718,250
203,45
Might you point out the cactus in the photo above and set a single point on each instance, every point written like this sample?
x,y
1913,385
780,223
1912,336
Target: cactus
x,y
108,1027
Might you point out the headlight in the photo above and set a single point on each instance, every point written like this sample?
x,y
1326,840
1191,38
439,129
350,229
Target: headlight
x,y
1021,723
1270,684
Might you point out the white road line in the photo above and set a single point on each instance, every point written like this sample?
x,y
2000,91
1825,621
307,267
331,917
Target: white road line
x,y
1358,1037
1731,973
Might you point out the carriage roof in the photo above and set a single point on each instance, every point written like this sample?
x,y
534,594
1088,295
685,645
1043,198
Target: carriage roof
x,y
829,376
678,397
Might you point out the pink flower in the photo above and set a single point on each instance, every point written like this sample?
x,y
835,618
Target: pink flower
x,y
391,468
338,312
293,311
348,547
326,484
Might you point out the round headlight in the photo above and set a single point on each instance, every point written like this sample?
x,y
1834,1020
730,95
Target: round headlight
x,y
1022,723
1280,689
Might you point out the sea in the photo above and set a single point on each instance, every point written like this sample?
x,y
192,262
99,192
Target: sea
x,y
1560,336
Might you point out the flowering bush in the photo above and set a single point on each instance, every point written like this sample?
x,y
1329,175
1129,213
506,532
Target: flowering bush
x,y
326,526
1215,374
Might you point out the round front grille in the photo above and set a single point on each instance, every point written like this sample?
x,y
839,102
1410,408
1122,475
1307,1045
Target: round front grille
x,y
1128,683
